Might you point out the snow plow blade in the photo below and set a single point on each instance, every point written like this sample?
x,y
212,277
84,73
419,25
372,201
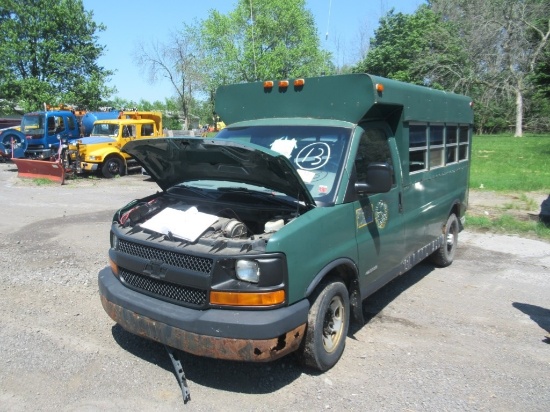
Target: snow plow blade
x,y
40,169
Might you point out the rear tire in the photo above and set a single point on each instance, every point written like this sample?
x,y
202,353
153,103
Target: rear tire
x,y
444,256
112,166
327,327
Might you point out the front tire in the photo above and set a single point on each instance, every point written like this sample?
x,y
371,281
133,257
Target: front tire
x,y
112,166
327,327
444,256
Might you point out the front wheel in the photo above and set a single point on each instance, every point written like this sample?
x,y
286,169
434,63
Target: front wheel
x,y
444,256
112,166
327,327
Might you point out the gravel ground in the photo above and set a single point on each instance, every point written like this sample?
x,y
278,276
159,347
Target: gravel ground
x,y
468,337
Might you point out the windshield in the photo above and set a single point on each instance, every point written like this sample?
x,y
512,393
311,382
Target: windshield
x,y
33,124
317,153
105,129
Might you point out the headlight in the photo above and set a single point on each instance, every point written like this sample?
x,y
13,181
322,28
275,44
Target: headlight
x,y
95,158
114,241
247,270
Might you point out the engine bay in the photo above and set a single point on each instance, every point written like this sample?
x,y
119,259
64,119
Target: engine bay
x,y
232,220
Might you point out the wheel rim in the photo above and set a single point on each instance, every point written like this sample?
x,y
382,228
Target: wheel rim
x,y
333,324
113,167
451,237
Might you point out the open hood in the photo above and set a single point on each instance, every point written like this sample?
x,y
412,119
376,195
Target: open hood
x,y
170,161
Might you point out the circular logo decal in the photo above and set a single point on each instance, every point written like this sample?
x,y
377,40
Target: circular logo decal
x,y
313,156
381,214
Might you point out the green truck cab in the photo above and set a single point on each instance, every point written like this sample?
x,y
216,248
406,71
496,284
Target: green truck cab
x,y
267,239
101,151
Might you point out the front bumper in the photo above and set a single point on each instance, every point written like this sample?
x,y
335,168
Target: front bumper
x,y
251,335
88,167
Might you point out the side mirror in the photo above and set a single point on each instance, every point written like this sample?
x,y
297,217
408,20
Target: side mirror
x,y
379,179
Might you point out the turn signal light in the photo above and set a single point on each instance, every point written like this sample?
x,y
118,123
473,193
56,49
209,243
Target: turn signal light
x,y
379,87
114,267
247,299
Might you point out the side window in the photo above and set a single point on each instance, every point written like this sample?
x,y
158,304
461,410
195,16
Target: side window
x,y
418,147
463,142
71,123
451,144
373,147
436,146
128,131
147,130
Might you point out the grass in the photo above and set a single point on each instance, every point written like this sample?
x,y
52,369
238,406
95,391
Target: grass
x,y
503,163
506,163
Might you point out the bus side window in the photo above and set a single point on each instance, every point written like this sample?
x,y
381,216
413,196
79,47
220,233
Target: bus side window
x,y
373,147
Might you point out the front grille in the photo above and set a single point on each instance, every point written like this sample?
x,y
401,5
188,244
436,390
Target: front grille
x,y
180,260
178,293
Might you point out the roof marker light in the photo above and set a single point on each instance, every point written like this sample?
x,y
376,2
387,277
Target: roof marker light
x,y
379,87
283,83
268,84
299,82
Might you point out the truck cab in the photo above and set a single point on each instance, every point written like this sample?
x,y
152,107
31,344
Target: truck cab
x,y
43,131
101,151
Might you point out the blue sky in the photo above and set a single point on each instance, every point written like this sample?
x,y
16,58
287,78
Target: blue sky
x,y
131,22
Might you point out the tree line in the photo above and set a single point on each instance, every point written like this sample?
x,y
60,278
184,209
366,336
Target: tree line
x,y
496,51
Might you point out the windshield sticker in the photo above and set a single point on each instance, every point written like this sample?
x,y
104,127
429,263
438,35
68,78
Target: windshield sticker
x,y
323,189
306,175
313,156
284,146
381,214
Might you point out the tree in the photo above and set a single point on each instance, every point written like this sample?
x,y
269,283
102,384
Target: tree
x,y
407,47
176,61
505,40
263,39
48,53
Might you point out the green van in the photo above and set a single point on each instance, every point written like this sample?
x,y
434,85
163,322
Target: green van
x,y
266,239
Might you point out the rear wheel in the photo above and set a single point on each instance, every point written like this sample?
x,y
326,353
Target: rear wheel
x,y
444,256
327,327
112,166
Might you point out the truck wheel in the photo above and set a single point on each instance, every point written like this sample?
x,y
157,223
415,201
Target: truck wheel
x,y
445,254
112,166
327,326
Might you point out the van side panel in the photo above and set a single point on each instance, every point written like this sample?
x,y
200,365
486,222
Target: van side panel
x,y
312,242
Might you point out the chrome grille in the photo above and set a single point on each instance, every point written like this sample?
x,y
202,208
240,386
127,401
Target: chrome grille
x,y
180,260
179,293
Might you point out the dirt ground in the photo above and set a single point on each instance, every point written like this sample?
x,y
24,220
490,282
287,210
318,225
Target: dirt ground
x,y
468,337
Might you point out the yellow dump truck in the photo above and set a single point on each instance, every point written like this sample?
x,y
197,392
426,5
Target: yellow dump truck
x,y
101,151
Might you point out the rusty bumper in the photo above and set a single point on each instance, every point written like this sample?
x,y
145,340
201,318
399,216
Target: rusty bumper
x,y
173,329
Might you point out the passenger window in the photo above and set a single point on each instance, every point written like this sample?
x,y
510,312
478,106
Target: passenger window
x,y
373,148
147,130
418,148
436,146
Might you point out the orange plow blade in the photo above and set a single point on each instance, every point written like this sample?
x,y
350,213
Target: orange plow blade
x,y
40,169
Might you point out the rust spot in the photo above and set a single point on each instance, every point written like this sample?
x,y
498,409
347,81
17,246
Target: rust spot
x,y
201,345
281,343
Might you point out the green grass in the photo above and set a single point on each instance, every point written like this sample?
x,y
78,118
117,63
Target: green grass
x,y
503,163
509,225
507,163
43,182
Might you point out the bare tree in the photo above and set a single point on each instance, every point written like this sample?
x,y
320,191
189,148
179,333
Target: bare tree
x,y
175,61
504,40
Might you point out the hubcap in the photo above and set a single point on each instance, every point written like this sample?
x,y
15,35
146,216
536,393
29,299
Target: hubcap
x,y
333,324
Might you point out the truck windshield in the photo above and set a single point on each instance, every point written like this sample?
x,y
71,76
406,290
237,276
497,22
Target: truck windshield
x,y
105,129
33,124
318,153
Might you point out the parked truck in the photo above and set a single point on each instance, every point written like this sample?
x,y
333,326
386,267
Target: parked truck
x,y
266,239
101,151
